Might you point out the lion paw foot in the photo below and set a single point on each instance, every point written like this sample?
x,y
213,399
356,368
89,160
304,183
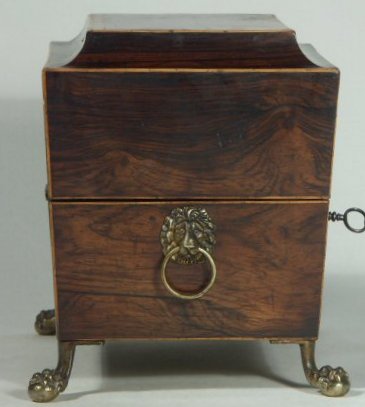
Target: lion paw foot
x,y
45,323
333,382
45,386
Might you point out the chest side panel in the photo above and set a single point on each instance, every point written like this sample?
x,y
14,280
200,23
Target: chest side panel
x,y
176,135
269,259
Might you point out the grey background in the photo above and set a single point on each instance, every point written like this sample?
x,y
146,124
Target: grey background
x,y
159,374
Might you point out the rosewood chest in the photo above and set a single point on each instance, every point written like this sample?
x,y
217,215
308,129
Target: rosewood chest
x,y
189,168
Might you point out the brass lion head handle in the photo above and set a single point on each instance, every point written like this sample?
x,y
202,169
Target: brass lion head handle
x,y
187,237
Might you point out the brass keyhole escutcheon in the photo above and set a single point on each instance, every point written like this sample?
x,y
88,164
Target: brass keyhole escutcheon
x,y
188,237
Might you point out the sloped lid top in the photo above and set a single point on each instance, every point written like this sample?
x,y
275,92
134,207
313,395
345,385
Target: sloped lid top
x,y
184,22
183,41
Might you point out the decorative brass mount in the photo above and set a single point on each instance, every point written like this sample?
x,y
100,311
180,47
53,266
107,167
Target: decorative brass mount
x,y
45,323
187,237
46,385
332,382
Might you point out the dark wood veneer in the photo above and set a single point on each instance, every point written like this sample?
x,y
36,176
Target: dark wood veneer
x,y
269,258
228,111
191,50
181,135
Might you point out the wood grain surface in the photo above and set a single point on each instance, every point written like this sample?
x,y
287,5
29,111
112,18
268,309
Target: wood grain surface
x,y
269,258
190,50
188,135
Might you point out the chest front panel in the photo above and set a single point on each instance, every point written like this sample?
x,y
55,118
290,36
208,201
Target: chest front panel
x,y
269,259
143,135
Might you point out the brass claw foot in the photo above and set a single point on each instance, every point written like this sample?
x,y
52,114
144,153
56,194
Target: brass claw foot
x,y
330,382
47,385
45,323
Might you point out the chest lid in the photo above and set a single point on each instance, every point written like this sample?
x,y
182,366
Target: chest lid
x,y
228,41
188,107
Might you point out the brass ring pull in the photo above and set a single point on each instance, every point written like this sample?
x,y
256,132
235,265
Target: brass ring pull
x,y
179,294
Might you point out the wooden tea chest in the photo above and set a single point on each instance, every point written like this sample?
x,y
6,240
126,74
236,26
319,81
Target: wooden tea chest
x,y
189,167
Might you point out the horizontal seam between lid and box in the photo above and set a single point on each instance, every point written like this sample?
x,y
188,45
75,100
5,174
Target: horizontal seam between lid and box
x,y
152,201
190,70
